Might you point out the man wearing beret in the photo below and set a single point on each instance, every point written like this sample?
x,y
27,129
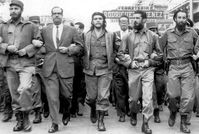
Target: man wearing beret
x,y
21,40
39,96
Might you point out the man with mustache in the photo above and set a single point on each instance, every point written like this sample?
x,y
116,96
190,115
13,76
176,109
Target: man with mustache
x,y
98,63
139,52
21,40
178,45
62,42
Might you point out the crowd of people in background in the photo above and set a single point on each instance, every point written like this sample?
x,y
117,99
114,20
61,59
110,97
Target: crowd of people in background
x,y
60,68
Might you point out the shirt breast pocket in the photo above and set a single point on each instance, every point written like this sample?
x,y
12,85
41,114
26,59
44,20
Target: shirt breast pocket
x,y
188,43
146,46
172,43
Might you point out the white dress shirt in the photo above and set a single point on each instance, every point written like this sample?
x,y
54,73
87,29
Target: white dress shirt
x,y
60,29
123,33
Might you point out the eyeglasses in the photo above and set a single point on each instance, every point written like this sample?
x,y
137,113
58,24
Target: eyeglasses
x,y
58,13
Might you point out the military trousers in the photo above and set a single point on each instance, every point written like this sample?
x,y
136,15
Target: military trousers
x,y
20,85
181,85
98,90
141,84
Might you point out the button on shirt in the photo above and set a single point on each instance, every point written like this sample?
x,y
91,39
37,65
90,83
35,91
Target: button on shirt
x,y
179,45
98,55
60,30
142,45
14,31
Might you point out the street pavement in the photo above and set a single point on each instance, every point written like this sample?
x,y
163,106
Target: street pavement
x,y
82,125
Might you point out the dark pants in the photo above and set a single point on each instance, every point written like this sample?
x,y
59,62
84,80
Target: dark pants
x,y
41,82
159,89
37,103
5,96
79,86
56,87
119,87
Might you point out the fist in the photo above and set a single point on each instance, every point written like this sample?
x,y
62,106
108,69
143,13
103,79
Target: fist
x,y
63,49
146,63
37,43
22,52
1,39
12,48
134,65
153,55
195,57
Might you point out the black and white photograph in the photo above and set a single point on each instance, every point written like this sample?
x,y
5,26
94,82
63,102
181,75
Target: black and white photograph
x,y
99,66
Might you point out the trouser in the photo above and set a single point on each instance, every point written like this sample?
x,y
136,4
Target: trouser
x,y
159,89
196,101
119,86
98,90
141,84
37,103
79,88
57,86
20,83
6,99
42,86
181,85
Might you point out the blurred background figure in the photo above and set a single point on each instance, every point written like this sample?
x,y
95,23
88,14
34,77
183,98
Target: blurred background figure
x,y
79,87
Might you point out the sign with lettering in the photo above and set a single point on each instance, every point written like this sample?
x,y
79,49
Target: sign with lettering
x,y
114,14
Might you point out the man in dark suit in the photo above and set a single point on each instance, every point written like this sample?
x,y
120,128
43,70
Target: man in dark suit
x,y
58,67
120,77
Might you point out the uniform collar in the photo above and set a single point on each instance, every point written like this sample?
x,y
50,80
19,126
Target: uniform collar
x,y
173,30
143,31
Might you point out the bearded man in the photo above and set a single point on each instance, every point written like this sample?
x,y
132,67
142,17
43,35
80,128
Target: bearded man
x,y
136,53
178,44
21,41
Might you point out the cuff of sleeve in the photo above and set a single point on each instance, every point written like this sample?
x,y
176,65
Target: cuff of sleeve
x,y
150,62
4,48
129,66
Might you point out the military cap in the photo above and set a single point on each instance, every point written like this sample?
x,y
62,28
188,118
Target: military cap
x,y
34,18
17,3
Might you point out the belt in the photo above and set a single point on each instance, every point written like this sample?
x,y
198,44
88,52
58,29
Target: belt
x,y
13,56
180,61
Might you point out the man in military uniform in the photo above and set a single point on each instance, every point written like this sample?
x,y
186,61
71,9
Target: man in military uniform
x,y
98,63
136,53
5,97
20,43
39,95
178,45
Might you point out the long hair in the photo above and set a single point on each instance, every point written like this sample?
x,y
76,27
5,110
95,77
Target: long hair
x,y
104,20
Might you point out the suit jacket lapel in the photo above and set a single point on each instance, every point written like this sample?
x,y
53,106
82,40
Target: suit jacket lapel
x,y
62,35
50,31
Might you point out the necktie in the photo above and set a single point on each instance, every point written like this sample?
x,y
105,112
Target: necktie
x,y
57,36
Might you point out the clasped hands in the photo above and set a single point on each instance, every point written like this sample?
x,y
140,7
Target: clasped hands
x,y
63,49
14,49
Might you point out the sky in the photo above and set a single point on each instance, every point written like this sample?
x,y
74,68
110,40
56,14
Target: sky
x,y
78,10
